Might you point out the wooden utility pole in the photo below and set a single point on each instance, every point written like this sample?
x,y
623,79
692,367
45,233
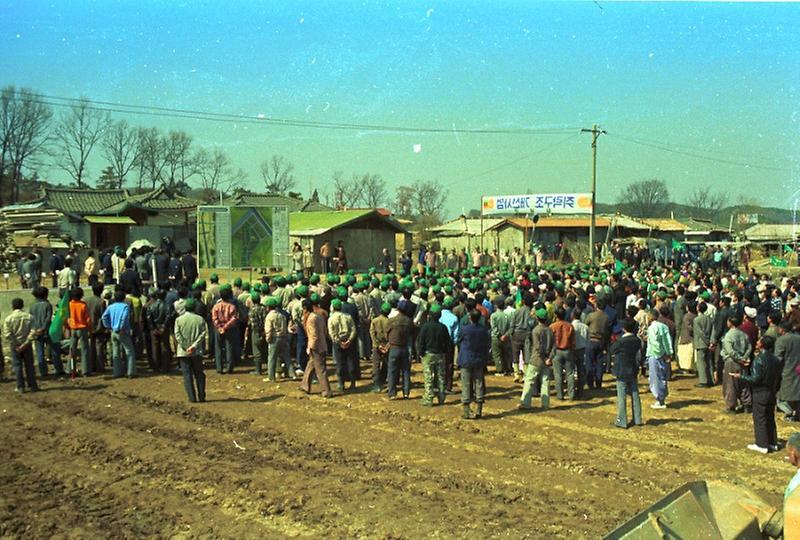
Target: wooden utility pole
x,y
596,132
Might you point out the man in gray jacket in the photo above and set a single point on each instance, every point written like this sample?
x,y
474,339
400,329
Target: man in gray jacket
x,y
190,336
703,325
736,350
787,349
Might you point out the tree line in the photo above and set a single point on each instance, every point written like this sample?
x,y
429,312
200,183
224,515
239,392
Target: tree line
x,y
33,137
651,198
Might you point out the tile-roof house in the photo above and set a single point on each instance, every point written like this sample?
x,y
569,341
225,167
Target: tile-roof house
x,y
261,199
104,217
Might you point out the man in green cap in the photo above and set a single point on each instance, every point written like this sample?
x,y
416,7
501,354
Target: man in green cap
x,y
540,362
256,319
432,345
380,347
190,337
342,331
276,335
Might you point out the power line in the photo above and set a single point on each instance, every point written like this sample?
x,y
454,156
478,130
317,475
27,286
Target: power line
x,y
515,161
148,110
685,148
699,156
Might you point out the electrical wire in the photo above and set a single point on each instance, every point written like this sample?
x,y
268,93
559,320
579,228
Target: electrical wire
x,y
685,148
515,161
700,156
148,110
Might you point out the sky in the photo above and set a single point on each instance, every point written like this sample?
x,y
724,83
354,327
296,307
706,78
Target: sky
x,y
694,94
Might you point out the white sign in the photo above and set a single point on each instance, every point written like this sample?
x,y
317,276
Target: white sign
x,y
553,203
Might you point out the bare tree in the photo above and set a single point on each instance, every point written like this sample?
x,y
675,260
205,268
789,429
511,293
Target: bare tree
x,y
120,147
180,166
645,198
346,194
277,175
404,202
151,156
24,135
429,199
215,171
373,190
78,130
707,203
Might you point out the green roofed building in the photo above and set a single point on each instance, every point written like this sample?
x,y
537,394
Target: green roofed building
x,y
364,234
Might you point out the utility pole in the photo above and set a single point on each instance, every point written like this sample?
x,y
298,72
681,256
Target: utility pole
x,y
596,132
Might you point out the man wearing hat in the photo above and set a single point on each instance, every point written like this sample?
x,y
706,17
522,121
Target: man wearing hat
x,y
190,337
276,335
256,320
224,316
316,349
540,362
735,353
342,331
432,344
398,333
380,346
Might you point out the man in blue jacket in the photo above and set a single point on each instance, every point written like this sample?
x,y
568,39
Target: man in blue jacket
x,y
473,354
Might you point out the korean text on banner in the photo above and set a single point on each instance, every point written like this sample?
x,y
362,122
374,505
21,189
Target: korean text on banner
x,y
551,203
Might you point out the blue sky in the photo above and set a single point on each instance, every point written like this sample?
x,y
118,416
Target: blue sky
x,y
720,80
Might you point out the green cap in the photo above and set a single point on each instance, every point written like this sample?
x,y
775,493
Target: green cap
x,y
448,302
237,282
190,304
255,297
314,298
214,278
386,308
435,308
541,314
200,283
336,304
273,302
314,279
301,291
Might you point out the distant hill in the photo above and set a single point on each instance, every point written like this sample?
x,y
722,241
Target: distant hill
x,y
722,218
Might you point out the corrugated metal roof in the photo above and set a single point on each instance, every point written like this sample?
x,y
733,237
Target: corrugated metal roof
x,y
764,232
467,226
553,222
666,225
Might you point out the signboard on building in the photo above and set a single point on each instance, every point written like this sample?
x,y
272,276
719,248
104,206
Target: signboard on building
x,y
747,219
550,203
243,237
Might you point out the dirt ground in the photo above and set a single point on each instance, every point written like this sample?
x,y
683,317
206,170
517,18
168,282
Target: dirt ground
x,y
101,458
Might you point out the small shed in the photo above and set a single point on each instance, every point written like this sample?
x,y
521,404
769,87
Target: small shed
x,y
462,233
519,232
699,231
264,199
363,233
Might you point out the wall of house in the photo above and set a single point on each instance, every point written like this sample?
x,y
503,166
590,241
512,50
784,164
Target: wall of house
x,y
363,246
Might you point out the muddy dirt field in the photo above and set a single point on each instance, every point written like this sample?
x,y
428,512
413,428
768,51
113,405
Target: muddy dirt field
x,y
101,458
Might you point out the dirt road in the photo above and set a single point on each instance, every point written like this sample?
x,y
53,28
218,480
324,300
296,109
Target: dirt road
x,y
100,458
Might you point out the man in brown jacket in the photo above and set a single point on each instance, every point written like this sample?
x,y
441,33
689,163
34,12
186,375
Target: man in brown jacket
x,y
317,347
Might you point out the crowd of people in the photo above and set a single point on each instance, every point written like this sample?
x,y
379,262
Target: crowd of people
x,y
559,331
569,326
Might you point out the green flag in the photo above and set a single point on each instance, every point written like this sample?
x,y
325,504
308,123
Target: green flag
x,y
677,246
780,263
787,249
619,266
60,316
